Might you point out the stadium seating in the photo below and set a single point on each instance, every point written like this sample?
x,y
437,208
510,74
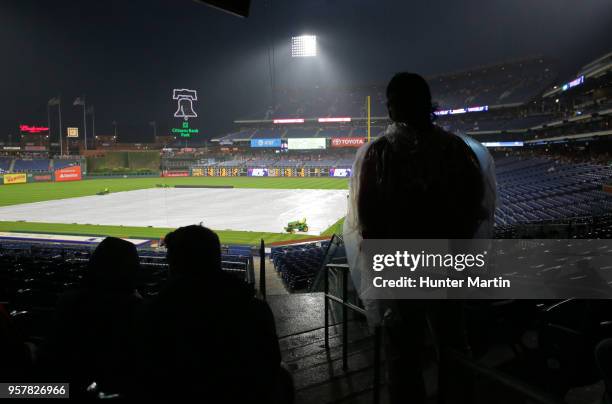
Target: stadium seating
x,y
5,164
265,133
63,163
299,264
31,165
539,189
502,84
32,276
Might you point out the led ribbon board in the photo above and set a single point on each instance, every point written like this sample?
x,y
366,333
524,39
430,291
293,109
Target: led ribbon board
x,y
576,82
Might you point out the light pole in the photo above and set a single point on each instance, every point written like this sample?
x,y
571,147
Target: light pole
x,y
52,102
81,102
154,125
91,111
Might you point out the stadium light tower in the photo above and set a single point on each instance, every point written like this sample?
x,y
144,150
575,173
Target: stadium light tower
x,y
303,46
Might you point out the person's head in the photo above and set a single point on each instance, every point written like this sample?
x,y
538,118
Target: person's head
x,y
113,265
193,250
409,100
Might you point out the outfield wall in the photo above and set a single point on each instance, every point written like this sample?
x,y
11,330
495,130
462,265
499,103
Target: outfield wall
x,y
216,171
72,173
124,161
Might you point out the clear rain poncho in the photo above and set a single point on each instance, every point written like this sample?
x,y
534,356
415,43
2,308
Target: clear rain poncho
x,y
401,143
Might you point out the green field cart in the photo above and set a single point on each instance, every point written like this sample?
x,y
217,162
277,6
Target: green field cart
x,y
297,225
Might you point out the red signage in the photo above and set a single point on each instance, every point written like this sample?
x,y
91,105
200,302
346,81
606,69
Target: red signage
x,y
33,129
35,148
68,174
44,177
175,173
347,141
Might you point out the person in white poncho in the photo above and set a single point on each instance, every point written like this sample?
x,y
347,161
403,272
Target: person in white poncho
x,y
417,181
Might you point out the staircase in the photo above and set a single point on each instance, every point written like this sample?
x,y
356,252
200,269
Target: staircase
x,y
317,371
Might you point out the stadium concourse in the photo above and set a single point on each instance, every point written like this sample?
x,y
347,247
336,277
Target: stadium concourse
x,y
551,140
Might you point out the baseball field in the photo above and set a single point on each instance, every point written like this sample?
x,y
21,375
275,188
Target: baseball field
x,y
250,211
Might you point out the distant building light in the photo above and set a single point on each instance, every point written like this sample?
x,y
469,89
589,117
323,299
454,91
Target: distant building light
x,y
290,120
303,46
343,119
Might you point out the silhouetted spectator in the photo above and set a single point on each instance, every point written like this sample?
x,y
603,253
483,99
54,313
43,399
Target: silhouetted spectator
x,y
90,341
205,336
416,182
15,354
603,357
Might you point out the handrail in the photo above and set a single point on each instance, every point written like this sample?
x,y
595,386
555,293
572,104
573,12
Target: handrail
x,y
507,380
262,269
346,306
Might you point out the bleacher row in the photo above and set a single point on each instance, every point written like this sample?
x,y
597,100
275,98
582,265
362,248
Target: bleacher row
x,y
500,84
535,191
32,277
299,264
485,123
538,189
285,133
34,165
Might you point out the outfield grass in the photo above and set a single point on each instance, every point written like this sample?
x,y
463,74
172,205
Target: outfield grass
x,y
226,236
44,191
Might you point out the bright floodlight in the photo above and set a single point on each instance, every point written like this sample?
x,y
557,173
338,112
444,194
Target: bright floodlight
x,y
303,46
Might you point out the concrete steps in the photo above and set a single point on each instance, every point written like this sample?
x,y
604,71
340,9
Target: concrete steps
x,y
317,371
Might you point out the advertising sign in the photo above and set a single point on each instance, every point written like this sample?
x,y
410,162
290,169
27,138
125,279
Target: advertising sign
x,y
197,172
35,148
33,129
257,172
72,132
15,178
41,177
175,174
307,143
185,130
503,144
340,172
347,141
68,174
266,143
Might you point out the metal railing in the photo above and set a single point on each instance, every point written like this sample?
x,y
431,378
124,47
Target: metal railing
x,y
503,379
346,306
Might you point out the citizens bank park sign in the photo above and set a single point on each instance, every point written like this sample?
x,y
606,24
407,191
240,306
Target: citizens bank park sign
x,y
347,142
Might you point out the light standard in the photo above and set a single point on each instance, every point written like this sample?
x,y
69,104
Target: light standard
x,y
154,125
81,102
52,102
92,112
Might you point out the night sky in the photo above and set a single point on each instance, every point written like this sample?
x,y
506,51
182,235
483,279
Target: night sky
x,y
127,56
